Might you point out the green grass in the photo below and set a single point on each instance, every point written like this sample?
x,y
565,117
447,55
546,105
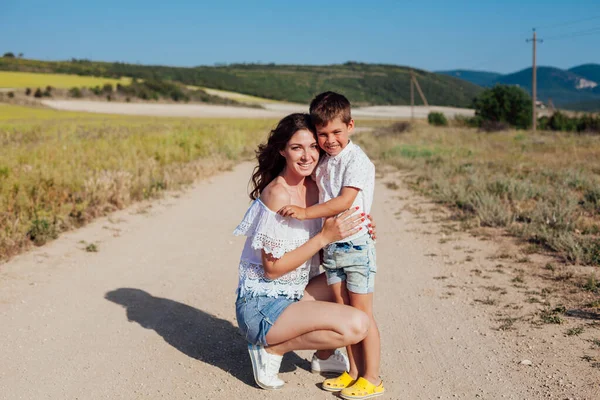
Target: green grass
x,y
10,79
59,170
544,188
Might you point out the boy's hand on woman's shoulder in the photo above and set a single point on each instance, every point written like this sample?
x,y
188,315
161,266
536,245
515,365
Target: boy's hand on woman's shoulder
x,y
293,211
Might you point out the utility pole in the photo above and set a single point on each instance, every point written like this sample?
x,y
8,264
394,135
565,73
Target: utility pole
x,y
412,96
414,82
534,40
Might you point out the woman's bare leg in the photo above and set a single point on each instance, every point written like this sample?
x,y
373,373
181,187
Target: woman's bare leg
x,y
316,325
317,289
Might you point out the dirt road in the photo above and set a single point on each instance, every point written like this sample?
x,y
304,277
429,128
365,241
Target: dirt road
x,y
151,314
270,110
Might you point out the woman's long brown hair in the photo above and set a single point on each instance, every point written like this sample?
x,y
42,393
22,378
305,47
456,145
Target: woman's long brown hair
x,y
270,160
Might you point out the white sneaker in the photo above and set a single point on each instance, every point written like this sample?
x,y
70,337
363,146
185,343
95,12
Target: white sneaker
x,y
336,363
265,367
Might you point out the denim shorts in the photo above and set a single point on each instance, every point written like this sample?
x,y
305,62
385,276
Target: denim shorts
x,y
257,314
353,262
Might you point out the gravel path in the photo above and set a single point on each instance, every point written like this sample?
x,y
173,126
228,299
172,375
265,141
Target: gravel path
x,y
270,110
151,314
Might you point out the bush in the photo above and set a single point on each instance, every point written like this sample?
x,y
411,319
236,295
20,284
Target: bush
x,y
563,123
560,122
493,126
96,90
11,95
437,119
9,55
107,88
75,92
38,93
464,121
502,103
27,92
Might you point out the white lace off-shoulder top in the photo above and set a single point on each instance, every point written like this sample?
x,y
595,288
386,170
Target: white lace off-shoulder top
x,y
276,235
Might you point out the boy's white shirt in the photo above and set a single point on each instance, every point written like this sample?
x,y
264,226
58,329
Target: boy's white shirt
x,y
351,167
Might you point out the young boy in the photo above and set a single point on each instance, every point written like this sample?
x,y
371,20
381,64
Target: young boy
x,y
346,179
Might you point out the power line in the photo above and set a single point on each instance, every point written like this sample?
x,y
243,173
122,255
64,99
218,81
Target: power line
x,y
575,34
560,24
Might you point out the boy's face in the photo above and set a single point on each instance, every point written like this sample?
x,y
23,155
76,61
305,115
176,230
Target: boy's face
x,y
333,137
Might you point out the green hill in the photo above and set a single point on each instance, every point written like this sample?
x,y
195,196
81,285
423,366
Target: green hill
x,y
363,84
571,89
588,71
481,78
563,87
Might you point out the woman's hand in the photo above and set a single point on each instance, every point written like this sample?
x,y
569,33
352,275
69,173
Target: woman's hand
x,y
344,225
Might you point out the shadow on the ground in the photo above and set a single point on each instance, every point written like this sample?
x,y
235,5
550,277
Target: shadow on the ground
x,y
583,314
195,333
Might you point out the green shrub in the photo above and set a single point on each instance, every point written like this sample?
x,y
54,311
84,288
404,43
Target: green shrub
x,y
563,123
42,231
107,88
38,93
560,122
437,119
96,90
493,126
508,104
27,92
464,121
75,92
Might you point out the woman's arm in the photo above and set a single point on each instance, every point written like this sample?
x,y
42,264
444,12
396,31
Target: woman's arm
x,y
334,229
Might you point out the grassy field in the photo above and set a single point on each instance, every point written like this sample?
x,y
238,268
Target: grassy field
x,y
544,188
59,170
240,97
9,79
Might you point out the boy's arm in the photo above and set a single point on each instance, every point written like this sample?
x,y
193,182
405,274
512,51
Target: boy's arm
x,y
328,209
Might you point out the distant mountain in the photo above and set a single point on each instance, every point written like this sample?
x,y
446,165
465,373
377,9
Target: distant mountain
x,y
481,78
577,88
588,71
563,87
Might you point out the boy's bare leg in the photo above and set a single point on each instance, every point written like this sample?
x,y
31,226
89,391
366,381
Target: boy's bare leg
x,y
341,297
371,345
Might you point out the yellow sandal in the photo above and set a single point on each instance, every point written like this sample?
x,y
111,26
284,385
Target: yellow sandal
x,y
362,389
337,384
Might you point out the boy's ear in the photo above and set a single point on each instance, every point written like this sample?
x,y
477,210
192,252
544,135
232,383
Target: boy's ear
x,y
350,125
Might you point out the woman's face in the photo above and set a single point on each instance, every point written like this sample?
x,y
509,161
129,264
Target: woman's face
x,y
301,153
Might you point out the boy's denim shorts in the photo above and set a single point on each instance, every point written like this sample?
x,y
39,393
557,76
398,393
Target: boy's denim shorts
x,y
353,262
257,314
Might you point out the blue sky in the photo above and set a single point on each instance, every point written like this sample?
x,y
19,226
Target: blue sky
x,y
432,35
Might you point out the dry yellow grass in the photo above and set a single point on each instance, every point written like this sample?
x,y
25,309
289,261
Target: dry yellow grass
x,y
59,170
240,97
543,187
9,79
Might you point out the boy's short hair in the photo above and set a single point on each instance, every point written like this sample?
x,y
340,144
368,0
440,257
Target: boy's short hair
x,y
328,106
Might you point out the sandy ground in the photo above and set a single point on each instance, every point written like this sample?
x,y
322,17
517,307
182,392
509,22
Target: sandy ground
x,y
151,314
270,110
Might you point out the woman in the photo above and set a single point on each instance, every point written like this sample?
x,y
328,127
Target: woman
x,y
280,254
